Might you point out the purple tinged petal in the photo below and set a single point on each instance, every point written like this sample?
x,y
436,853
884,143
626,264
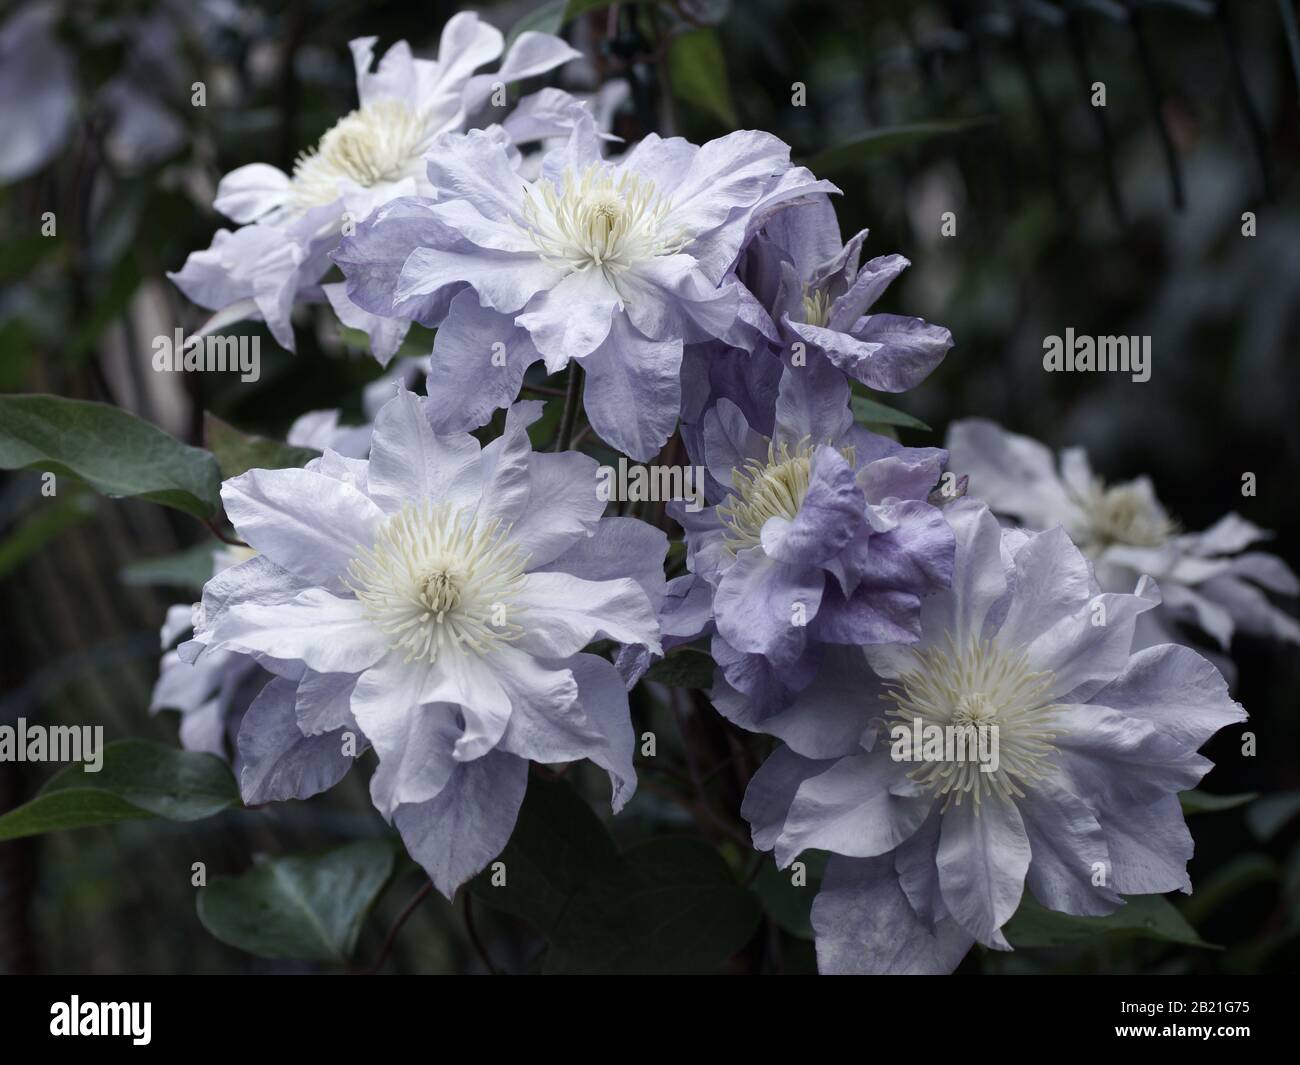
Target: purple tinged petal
x,y
865,926
458,832
409,463
277,761
619,548
560,614
633,390
328,634
372,259
979,583
1013,474
1068,848
729,443
572,319
909,349
763,606
772,789
812,404
323,703
827,718
860,807
308,523
385,334
983,858
1149,847
1051,582
869,283
479,361
829,515
563,506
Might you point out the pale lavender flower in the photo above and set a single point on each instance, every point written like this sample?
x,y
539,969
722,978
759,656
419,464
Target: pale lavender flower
x,y
1208,580
434,600
615,264
819,298
290,223
817,534
931,852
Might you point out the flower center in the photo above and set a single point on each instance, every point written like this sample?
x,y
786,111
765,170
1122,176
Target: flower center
x,y
767,490
816,307
1123,514
991,693
440,592
763,491
437,577
600,219
376,143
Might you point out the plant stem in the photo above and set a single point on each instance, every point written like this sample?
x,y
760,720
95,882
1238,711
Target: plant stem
x,y
572,403
391,938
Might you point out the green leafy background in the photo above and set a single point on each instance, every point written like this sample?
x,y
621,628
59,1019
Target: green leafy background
x,y
1122,220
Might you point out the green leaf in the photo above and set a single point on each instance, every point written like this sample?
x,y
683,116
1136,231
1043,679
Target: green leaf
x,y
699,74
1202,802
238,452
545,18
686,668
674,908
191,569
112,451
1271,813
1142,917
788,904
306,907
558,844
1229,880
671,905
137,780
869,412
885,141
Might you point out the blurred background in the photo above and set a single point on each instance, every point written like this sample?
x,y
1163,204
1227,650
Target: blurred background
x,y
1122,219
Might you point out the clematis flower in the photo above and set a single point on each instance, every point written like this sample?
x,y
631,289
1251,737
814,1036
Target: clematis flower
x,y
817,535
819,297
1207,579
213,692
434,599
614,264
370,156
929,856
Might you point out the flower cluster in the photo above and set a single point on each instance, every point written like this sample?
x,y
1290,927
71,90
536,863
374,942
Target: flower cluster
x,y
418,592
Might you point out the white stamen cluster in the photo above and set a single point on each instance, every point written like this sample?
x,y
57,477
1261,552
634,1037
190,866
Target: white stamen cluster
x,y
767,490
602,219
979,686
380,142
437,577
1122,514
816,307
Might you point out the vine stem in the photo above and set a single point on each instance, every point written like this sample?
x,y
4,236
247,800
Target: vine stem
x,y
402,917
216,531
572,403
